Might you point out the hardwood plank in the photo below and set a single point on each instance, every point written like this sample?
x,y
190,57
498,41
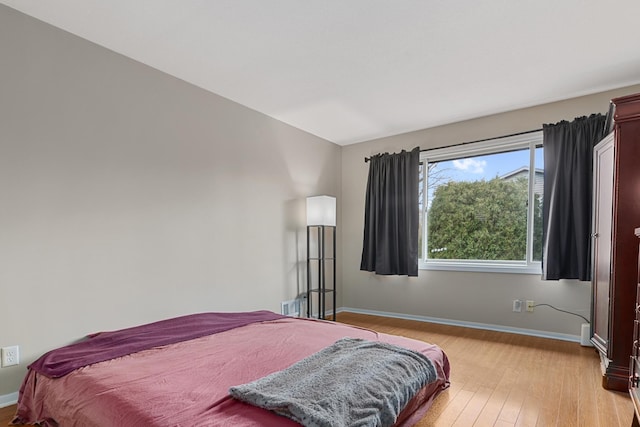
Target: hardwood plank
x,y
512,405
534,370
605,402
6,414
454,409
502,379
587,405
568,398
491,411
470,413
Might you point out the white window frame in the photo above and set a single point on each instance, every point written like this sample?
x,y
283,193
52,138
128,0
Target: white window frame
x,y
531,141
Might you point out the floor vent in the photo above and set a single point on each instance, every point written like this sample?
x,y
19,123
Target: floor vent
x,y
290,308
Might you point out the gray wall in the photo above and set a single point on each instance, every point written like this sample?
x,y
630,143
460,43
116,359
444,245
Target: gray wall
x,y
127,196
461,296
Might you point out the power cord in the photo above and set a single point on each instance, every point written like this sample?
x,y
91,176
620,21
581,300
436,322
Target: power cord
x,y
564,311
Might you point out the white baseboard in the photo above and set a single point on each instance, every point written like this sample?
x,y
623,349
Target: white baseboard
x,y
8,399
474,325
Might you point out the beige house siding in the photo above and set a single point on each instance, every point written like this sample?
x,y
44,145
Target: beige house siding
x,y
523,172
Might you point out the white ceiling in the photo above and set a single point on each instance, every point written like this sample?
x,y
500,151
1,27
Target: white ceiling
x,y
354,70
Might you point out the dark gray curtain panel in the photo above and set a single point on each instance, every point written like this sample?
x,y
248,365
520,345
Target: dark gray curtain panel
x,y
390,244
568,182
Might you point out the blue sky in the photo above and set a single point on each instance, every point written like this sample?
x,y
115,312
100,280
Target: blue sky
x,y
489,166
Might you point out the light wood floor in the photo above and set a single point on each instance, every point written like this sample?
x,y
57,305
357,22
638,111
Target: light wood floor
x,y
500,379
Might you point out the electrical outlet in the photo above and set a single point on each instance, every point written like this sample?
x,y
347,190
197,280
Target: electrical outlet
x,y
530,305
517,305
10,356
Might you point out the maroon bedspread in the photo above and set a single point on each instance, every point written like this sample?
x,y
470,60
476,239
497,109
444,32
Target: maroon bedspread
x,y
109,345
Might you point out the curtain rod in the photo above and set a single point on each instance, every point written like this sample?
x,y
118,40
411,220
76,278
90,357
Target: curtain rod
x,y
366,159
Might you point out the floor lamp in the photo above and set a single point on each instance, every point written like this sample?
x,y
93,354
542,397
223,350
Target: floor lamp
x,y
321,253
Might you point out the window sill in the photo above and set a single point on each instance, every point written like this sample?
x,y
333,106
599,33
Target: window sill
x,y
482,267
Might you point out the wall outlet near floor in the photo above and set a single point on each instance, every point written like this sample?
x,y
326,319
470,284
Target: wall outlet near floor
x,y
530,305
10,356
517,305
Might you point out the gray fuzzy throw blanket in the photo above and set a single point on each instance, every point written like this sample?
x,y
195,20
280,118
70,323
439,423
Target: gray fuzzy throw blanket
x,y
353,382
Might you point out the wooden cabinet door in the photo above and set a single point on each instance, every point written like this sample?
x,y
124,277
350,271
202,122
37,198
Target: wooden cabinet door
x,y
603,163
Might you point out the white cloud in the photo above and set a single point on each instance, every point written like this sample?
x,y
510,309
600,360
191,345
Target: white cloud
x,y
470,165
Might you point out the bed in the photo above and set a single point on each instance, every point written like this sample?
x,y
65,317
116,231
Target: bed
x,y
145,376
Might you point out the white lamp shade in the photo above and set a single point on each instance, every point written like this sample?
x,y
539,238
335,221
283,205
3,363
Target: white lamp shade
x,y
321,210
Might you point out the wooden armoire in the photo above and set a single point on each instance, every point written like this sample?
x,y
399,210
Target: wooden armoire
x,y
616,214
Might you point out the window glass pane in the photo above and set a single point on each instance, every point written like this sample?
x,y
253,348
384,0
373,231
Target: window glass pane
x,y
477,207
538,192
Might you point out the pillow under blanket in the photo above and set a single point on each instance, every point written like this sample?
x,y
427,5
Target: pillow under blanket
x,y
353,382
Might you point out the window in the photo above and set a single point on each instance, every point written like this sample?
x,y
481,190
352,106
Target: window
x,y
481,205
